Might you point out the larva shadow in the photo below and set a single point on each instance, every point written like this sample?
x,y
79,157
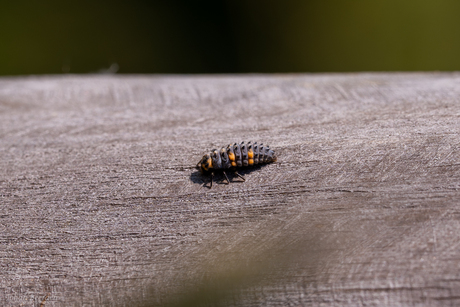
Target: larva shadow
x,y
219,177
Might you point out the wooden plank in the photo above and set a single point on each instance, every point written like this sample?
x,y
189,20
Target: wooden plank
x,y
101,204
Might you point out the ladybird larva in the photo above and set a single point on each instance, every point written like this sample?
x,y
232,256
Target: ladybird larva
x,y
234,157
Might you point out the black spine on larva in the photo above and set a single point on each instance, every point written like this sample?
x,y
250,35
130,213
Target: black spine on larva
x,y
261,153
256,153
250,149
216,161
266,150
230,151
224,157
244,154
237,151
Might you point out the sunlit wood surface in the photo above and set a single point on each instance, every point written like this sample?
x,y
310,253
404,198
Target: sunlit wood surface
x,y
101,204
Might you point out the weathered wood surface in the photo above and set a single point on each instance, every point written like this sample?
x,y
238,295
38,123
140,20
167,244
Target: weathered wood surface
x,y
100,203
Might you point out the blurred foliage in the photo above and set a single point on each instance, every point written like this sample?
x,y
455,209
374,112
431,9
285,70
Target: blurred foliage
x,y
180,36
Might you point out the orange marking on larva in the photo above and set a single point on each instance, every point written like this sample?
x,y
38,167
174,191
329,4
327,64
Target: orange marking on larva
x,y
231,156
209,163
250,154
234,164
251,161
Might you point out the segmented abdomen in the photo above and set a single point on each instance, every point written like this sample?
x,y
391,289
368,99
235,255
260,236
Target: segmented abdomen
x,y
240,155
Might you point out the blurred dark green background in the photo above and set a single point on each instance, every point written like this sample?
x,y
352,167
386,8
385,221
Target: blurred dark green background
x,y
184,36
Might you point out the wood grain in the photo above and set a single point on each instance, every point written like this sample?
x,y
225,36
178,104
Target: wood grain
x,y
101,204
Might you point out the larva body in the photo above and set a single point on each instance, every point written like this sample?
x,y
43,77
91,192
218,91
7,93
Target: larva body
x,y
234,157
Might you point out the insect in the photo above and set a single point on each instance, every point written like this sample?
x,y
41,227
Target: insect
x,y
235,156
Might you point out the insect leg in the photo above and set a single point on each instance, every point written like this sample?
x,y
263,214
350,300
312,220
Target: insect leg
x,y
228,181
236,173
212,176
